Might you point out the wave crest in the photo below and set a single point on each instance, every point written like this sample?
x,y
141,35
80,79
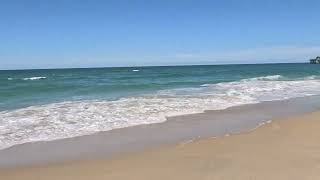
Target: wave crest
x,y
34,78
267,78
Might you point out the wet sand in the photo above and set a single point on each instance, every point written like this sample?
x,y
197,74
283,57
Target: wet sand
x,y
286,148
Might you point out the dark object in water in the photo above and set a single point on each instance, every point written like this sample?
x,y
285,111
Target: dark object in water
x,y
315,61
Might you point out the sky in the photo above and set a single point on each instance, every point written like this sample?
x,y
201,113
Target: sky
x,y
100,33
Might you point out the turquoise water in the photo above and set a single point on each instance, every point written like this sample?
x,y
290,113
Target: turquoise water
x,y
43,105
18,90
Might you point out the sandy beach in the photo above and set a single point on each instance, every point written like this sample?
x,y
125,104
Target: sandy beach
x,y
284,149
159,90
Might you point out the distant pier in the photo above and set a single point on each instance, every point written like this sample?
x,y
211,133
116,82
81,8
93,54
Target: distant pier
x,y
315,61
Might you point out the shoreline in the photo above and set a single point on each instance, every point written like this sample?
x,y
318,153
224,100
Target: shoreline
x,y
286,148
116,143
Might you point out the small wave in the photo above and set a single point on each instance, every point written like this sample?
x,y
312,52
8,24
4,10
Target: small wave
x,y
34,78
205,85
136,70
9,79
267,78
313,77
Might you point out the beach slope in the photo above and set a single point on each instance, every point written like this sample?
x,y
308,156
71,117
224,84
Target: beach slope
x,y
284,149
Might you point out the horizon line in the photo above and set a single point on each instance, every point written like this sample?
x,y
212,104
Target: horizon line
x,y
135,66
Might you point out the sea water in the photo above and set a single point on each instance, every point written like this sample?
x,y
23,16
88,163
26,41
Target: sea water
x,y
44,105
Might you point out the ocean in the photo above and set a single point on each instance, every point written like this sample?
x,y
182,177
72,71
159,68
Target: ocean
x,y
50,104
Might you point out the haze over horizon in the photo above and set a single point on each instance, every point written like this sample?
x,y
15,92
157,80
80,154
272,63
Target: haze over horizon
x,y
70,34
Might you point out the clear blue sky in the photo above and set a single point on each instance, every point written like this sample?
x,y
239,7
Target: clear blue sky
x,y
91,33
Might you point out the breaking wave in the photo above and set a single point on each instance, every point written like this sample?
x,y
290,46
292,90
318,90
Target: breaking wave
x,y
267,78
34,78
76,118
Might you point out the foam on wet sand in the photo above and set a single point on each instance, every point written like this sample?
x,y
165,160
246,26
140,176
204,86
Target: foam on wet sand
x,y
286,149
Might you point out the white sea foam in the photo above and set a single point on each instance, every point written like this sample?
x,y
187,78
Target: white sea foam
x,y
76,118
10,79
205,85
136,70
34,78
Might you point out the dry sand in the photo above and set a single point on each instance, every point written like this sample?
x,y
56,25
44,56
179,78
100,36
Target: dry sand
x,y
286,149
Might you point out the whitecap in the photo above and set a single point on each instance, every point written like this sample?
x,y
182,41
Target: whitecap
x,y
266,78
34,78
205,85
